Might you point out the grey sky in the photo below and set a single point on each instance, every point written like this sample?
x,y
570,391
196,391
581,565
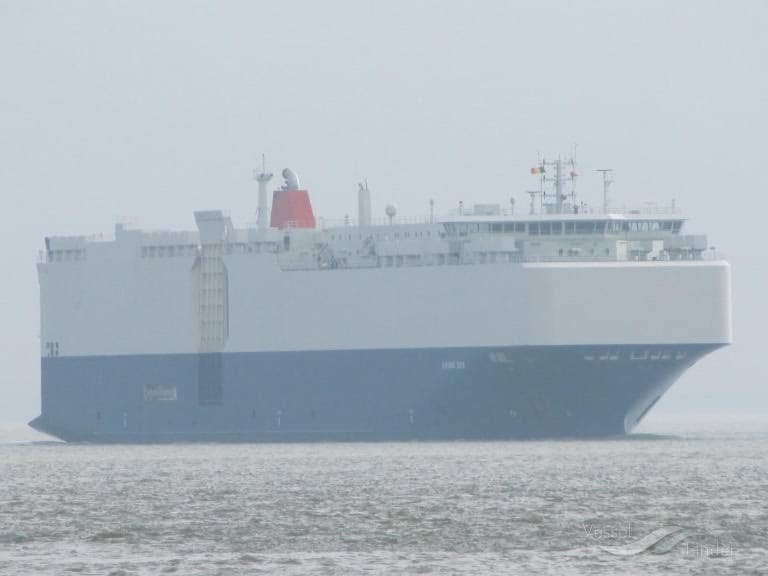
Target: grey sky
x,y
152,110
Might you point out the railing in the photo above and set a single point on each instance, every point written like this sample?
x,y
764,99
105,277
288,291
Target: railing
x,y
287,264
325,223
647,209
713,255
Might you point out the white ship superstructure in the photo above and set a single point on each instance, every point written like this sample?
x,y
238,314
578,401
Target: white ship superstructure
x,y
484,323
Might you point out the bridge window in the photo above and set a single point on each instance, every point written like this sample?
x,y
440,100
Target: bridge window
x,y
643,226
585,227
569,227
533,228
557,227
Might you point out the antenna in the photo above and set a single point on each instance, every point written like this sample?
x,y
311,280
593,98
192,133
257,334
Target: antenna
x,y
533,194
559,186
553,202
607,181
391,212
363,204
573,175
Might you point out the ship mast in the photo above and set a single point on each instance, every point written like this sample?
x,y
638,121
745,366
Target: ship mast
x,y
554,202
607,181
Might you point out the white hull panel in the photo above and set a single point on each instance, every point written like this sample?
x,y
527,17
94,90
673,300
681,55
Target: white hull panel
x,y
132,306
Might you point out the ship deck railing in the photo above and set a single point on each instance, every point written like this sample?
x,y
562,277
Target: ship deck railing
x,y
647,209
706,255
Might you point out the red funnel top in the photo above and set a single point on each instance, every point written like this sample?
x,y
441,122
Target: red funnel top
x,y
291,209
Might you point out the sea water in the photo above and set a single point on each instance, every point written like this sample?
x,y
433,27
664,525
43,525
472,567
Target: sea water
x,y
681,496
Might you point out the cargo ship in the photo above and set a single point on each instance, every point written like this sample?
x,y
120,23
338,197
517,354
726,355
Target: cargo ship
x,y
490,322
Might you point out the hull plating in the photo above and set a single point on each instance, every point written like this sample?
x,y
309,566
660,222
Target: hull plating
x,y
473,393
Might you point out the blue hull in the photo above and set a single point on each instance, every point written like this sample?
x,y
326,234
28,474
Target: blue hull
x,y
467,393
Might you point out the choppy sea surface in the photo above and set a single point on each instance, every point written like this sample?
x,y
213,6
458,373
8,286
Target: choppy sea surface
x,y
683,496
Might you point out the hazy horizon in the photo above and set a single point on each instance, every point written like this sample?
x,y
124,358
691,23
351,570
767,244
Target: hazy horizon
x,y
147,112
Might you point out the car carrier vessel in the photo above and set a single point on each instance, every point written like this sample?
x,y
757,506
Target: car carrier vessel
x,y
560,320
